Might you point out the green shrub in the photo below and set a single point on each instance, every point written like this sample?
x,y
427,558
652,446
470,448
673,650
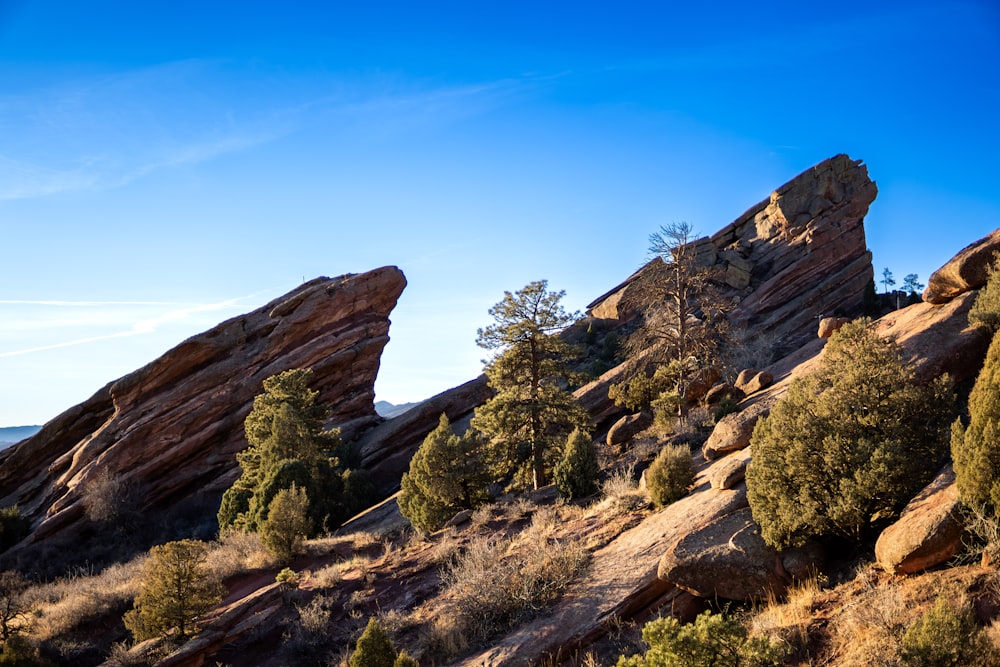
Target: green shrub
x,y
985,312
287,522
445,476
726,406
713,640
639,392
287,576
576,473
944,636
976,450
405,660
671,475
849,444
374,648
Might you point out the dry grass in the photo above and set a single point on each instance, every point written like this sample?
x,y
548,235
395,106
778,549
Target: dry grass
x,y
495,583
868,629
65,604
620,493
236,552
788,620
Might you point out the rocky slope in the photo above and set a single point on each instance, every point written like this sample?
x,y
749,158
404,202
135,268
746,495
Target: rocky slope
x,y
172,428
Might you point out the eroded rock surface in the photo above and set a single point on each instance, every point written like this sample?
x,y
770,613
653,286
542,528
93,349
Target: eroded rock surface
x,y
928,532
794,257
966,271
173,428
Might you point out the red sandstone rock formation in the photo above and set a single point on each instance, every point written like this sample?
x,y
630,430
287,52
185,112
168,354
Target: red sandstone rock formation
x,y
173,427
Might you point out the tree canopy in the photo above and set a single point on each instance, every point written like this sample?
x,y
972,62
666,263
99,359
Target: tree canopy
x,y
288,444
532,411
445,476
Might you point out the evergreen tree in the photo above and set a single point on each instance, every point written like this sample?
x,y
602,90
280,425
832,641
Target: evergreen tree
x,y
287,522
985,311
289,444
175,591
576,473
975,450
532,412
849,444
374,648
670,476
887,280
445,477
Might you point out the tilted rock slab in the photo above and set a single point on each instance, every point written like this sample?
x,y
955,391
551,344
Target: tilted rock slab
x,y
965,271
173,427
796,256
928,532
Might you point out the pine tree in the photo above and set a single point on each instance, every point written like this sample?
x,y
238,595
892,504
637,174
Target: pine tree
x,y
532,412
445,477
849,444
175,591
576,473
985,312
975,450
289,444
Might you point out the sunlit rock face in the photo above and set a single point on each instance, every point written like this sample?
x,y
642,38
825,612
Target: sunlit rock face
x,y
172,428
792,259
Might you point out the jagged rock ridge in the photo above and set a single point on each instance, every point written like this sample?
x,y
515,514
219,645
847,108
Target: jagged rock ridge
x,y
173,427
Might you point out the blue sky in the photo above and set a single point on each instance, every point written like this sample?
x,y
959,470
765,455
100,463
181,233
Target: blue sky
x,y
165,166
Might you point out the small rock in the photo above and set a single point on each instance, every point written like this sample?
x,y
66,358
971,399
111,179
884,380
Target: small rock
x,y
744,377
733,431
830,325
928,532
721,390
628,427
729,471
761,380
458,519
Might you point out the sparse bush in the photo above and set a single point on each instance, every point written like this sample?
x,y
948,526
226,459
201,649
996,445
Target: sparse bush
x,y
287,576
107,497
849,444
287,522
445,477
944,636
495,583
13,606
713,640
175,591
976,450
639,392
576,473
310,631
404,659
670,476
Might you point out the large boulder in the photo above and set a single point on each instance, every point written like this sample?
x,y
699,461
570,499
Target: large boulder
x,y
965,271
173,427
734,430
929,530
728,559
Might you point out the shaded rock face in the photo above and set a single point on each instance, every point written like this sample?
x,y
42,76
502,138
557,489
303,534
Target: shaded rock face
x,y
929,530
172,428
628,427
966,271
790,259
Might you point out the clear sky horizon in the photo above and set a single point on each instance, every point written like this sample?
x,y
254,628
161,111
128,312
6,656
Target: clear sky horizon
x,y
166,166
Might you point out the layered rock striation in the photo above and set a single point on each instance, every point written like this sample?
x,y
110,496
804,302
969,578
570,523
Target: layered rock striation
x,y
795,257
172,428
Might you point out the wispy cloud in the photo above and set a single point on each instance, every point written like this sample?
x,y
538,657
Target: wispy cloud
x,y
108,131
143,326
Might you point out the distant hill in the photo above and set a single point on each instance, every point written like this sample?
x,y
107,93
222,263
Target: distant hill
x,y
14,434
388,410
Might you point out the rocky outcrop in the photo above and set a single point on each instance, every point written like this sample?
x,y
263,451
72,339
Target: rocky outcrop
x,y
797,255
728,558
928,532
966,271
730,471
172,428
733,431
